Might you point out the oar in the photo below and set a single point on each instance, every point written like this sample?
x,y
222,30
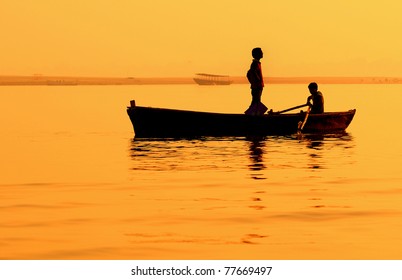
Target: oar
x,y
300,125
293,108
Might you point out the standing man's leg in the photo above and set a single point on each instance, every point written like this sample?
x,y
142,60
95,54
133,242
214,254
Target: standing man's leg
x,y
256,95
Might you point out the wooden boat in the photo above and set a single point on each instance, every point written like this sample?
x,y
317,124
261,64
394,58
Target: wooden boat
x,y
151,122
212,79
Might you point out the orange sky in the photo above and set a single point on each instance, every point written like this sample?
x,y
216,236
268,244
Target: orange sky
x,y
181,37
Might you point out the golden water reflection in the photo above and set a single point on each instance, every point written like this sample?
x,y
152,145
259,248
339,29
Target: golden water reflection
x,y
75,186
305,207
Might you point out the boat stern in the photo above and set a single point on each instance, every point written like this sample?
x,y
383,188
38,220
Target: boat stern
x,y
329,122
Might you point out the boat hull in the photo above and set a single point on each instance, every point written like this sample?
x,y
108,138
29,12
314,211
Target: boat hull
x,y
151,122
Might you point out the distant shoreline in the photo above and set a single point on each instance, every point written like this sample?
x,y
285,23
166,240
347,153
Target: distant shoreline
x,y
73,81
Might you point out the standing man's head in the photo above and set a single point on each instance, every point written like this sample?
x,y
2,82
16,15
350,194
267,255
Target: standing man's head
x,y
313,88
257,53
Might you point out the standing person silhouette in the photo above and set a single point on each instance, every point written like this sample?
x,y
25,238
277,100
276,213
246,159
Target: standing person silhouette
x,y
254,76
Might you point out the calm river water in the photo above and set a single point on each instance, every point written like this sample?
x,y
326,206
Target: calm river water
x,y
74,184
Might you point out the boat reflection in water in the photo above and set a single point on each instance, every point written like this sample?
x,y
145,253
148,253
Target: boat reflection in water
x,y
289,152
255,154
319,143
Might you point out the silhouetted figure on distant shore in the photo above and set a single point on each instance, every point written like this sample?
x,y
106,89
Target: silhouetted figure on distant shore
x,y
318,99
254,76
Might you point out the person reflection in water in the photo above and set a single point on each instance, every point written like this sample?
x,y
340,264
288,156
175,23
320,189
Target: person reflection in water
x,y
317,98
256,155
254,76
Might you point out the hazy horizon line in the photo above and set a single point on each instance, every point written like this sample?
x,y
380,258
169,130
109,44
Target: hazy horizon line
x,y
136,80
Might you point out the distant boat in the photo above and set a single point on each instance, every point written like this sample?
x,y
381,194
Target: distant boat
x,y
212,79
61,83
151,122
